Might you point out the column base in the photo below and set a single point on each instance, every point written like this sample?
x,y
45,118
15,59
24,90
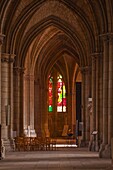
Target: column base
x,y
93,146
8,145
83,143
97,146
105,151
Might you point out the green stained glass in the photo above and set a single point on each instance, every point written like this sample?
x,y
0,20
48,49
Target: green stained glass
x,y
50,94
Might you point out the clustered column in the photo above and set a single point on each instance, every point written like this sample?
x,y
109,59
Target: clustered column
x,y
110,92
31,101
6,96
1,42
37,105
83,104
16,100
85,95
28,101
95,102
105,150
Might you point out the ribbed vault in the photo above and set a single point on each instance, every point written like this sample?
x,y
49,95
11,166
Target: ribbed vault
x,y
28,19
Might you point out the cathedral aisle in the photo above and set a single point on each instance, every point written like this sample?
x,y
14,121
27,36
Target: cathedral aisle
x,y
62,159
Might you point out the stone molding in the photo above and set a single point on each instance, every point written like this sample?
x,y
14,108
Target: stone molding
x,y
85,69
18,70
107,37
95,56
28,77
1,38
9,58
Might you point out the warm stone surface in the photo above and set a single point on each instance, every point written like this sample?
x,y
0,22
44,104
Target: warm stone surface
x,y
62,159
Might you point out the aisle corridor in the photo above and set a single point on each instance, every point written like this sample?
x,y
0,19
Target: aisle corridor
x,y
62,159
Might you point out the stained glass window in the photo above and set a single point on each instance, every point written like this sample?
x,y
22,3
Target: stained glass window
x,y
61,91
50,94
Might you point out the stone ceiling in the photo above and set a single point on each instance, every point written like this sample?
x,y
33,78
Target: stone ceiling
x,y
45,32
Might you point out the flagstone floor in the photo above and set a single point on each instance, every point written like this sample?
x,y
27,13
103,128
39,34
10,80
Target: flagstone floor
x,y
67,158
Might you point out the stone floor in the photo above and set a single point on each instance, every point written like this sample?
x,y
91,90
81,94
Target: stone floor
x,y
62,159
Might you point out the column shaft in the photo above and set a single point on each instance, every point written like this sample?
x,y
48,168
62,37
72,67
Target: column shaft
x,y
97,100
31,101
16,100
37,111
93,128
26,101
5,95
110,92
83,104
1,42
87,94
105,91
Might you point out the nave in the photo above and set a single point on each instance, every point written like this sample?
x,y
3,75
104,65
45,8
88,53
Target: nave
x,y
61,159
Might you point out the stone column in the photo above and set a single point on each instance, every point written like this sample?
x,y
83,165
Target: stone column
x,y
105,89
103,148
31,101
83,105
100,133
97,56
26,115
5,95
1,42
110,92
11,61
93,116
16,116
45,112
87,95
37,110
44,120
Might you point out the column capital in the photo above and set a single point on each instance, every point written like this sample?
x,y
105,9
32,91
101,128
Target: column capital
x,y
85,69
107,36
9,58
1,38
29,77
37,81
96,55
18,70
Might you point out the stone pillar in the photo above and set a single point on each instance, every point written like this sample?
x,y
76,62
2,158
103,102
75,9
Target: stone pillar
x,y
105,90
93,93
87,95
103,148
28,102
43,109
11,61
85,113
16,115
37,105
31,101
83,105
45,112
110,94
5,95
100,133
93,116
1,42
97,56
26,115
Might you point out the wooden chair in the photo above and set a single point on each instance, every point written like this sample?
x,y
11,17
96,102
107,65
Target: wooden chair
x,y
47,143
53,144
19,143
42,143
26,143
